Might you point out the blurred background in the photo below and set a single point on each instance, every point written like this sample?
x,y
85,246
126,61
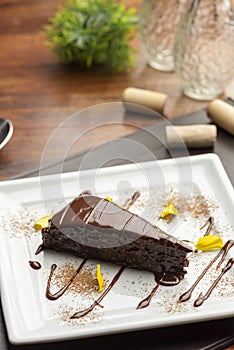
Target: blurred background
x,y
37,92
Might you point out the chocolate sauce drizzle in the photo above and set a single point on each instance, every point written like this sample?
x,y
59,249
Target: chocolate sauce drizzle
x,y
223,253
35,265
61,291
169,280
200,300
210,221
130,201
39,249
165,280
97,302
146,301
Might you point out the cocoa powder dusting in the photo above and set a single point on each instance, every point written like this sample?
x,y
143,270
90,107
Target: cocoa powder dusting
x,y
83,283
196,205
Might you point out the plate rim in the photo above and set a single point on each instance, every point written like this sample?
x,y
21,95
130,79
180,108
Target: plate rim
x,y
29,337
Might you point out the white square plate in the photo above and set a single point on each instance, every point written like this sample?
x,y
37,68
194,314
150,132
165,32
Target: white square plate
x,y
200,188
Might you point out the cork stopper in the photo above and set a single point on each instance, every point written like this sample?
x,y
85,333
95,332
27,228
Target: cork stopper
x,y
191,136
222,114
147,98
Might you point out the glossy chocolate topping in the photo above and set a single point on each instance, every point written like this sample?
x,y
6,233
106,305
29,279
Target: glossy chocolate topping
x,y
101,213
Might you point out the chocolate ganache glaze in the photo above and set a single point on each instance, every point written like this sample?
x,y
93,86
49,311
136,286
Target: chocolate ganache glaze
x,y
95,228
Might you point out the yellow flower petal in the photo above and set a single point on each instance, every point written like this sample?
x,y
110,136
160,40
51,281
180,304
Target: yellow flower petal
x,y
209,242
109,199
169,210
43,222
99,278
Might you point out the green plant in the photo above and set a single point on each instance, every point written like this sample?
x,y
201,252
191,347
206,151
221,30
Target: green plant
x,y
93,32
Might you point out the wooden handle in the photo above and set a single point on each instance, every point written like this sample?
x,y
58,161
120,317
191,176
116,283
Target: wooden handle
x,y
192,136
222,114
151,99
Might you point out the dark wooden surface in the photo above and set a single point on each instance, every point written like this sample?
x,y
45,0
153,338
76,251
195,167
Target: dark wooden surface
x,y
38,93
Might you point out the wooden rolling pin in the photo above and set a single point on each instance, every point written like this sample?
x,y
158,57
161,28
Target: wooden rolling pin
x,y
222,114
191,136
147,98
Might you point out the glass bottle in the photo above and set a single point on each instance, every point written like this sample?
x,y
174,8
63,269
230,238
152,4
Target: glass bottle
x,y
204,48
158,20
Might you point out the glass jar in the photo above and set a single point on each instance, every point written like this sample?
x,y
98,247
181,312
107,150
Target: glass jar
x,y
204,48
158,20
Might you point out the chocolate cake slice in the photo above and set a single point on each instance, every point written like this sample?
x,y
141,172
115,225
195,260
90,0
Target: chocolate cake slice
x,y
95,228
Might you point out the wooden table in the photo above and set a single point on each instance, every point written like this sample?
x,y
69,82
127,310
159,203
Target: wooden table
x,y
38,93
